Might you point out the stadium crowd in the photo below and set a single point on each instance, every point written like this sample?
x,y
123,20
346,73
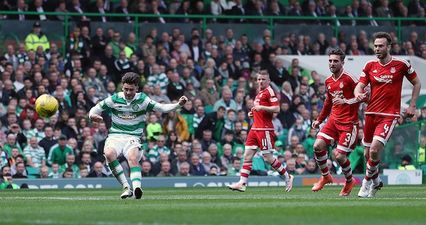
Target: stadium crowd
x,y
215,70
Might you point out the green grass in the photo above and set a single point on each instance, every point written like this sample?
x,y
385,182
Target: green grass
x,y
263,206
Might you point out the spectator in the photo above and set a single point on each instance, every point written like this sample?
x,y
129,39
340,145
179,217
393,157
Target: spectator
x,y
44,172
37,6
311,168
48,141
58,152
11,144
8,182
160,148
100,8
54,173
147,169
177,163
175,87
384,11
197,169
165,170
97,170
214,121
184,170
20,171
35,155
123,9
226,101
36,38
21,6
207,162
70,164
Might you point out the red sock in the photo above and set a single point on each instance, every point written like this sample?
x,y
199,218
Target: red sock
x,y
321,158
347,171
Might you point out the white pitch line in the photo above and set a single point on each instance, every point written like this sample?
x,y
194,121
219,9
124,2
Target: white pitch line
x,y
58,222
192,197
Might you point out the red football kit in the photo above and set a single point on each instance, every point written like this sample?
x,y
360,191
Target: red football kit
x,y
384,106
342,123
262,133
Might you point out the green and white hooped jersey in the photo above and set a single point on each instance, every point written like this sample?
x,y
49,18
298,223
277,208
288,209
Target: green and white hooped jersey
x,y
128,117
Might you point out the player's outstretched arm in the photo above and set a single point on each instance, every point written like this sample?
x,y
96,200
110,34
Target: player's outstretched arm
x,y
170,107
411,110
95,113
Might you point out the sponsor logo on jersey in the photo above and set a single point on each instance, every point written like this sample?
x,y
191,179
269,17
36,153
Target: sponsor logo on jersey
x,y
374,71
329,87
337,94
384,79
341,85
127,116
393,70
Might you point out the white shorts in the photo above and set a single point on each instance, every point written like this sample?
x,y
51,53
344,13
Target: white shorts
x,y
123,143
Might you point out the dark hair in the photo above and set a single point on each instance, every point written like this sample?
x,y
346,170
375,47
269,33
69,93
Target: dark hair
x,y
337,51
130,78
234,158
383,35
263,72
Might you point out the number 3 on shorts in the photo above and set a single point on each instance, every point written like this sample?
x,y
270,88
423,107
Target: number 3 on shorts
x,y
347,139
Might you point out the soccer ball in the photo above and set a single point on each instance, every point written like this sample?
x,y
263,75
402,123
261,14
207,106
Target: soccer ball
x,y
46,105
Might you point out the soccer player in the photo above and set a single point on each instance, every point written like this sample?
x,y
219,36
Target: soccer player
x,y
128,109
341,108
262,134
385,76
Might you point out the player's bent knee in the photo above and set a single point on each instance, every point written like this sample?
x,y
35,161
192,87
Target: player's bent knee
x,y
110,154
340,157
268,157
318,147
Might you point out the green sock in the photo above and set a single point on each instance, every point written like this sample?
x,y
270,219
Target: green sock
x,y
135,176
118,173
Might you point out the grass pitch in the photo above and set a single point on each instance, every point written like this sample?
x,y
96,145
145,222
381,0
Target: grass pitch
x,y
202,206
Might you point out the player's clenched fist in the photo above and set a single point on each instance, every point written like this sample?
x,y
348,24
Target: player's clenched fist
x,y
316,124
183,100
250,114
96,118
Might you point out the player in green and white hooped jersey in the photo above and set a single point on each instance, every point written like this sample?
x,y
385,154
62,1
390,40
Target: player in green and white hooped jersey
x,y
128,109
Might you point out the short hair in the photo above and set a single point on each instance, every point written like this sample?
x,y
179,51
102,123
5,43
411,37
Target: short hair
x,y
130,78
263,72
337,51
383,35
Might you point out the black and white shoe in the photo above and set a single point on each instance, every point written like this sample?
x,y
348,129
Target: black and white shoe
x,y
127,193
138,193
374,189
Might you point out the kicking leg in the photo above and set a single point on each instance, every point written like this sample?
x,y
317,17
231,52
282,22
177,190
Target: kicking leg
x,y
117,171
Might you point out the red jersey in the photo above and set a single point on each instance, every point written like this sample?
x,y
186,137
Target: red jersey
x,y
386,85
262,118
342,87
